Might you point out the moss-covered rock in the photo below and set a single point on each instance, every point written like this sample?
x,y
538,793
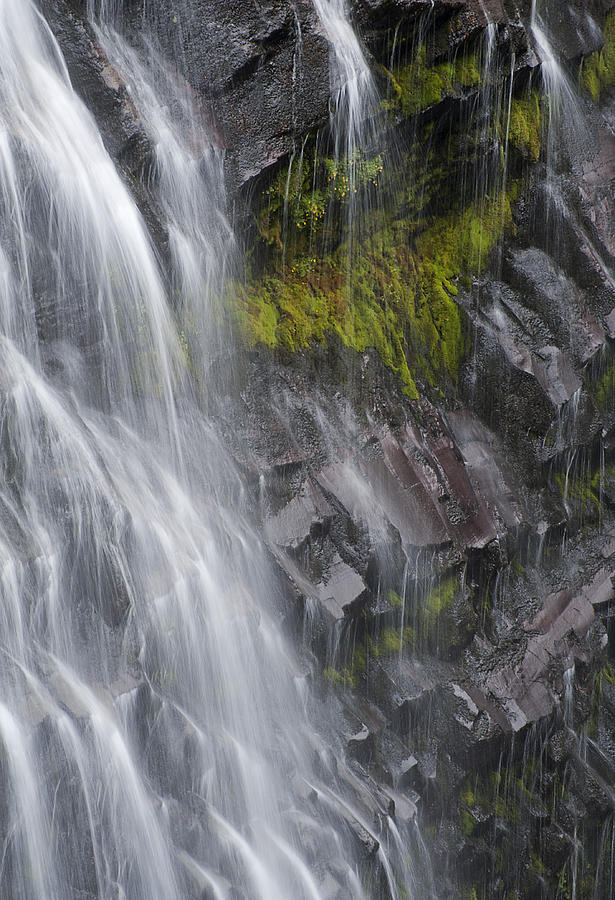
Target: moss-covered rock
x,y
597,72
525,125
375,248
397,294
419,84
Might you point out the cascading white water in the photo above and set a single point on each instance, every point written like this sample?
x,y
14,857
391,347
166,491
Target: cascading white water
x,y
352,81
356,100
564,122
156,742
71,232
563,99
189,184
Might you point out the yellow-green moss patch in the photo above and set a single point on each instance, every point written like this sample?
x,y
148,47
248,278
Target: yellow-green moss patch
x,y
398,296
597,72
440,599
525,125
418,85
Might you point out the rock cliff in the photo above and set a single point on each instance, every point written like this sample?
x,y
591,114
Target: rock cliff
x,y
428,434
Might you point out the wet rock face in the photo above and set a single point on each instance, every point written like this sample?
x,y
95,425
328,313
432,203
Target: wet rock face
x,y
474,10
98,83
502,658
497,665
574,26
261,71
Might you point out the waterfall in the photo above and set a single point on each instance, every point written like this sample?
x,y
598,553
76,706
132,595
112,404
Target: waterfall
x,y
353,88
320,673
352,120
157,731
565,121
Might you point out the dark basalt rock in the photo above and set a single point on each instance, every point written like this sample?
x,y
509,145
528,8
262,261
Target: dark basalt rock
x,y
261,71
340,515
472,13
574,27
434,715
96,80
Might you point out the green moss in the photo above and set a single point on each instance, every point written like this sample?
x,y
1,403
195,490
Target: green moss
x,y
292,313
597,72
583,491
507,811
291,199
467,797
590,78
487,794
398,299
525,125
455,244
607,674
301,192
395,600
256,313
438,600
564,884
392,640
468,805
359,659
604,391
351,668
339,678
394,91
466,822
389,642
537,865
516,567
387,278
417,85
350,175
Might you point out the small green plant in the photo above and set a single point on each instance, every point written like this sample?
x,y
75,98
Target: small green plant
x,y
347,176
